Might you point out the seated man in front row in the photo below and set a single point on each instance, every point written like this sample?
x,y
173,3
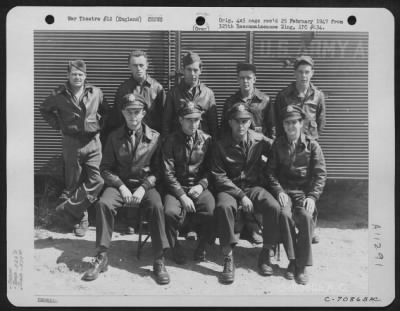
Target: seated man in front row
x,y
297,175
129,168
237,167
186,174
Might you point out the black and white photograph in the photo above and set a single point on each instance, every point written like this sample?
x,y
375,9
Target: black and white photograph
x,y
232,158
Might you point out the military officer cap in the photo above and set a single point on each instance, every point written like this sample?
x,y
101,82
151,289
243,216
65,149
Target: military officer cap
x,y
245,66
240,111
133,101
78,64
190,58
190,110
303,59
292,112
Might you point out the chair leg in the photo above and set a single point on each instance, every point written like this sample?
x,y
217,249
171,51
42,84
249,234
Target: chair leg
x,y
139,247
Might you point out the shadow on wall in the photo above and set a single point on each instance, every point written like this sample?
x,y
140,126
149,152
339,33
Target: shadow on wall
x,y
344,205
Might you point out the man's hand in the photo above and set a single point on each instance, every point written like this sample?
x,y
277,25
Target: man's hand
x,y
309,205
138,195
246,204
126,194
187,203
195,191
283,199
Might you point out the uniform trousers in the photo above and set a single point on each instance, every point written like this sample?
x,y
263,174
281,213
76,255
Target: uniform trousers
x,y
263,202
83,183
175,216
106,211
294,216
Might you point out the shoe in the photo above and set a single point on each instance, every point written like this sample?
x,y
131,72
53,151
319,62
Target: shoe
x,y
264,262
315,239
227,276
81,228
291,270
179,255
130,230
301,275
200,252
256,237
100,265
191,235
161,274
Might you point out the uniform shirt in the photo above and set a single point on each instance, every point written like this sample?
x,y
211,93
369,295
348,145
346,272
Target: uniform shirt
x,y
313,105
260,108
124,165
154,94
185,166
73,116
203,97
234,169
304,169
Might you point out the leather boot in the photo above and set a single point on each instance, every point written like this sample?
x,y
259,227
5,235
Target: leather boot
x,y
301,275
160,272
100,265
291,270
227,276
264,262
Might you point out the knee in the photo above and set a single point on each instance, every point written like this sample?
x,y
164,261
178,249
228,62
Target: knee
x,y
304,218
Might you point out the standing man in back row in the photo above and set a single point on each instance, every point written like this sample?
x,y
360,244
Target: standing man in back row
x,y
304,94
258,102
191,89
77,108
310,99
139,83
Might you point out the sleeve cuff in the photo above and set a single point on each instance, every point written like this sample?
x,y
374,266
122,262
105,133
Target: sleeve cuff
x,y
118,183
241,194
204,183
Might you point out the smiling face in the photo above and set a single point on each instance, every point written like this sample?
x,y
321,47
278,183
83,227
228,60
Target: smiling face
x,y
133,117
246,78
191,73
189,125
138,67
292,128
303,74
76,77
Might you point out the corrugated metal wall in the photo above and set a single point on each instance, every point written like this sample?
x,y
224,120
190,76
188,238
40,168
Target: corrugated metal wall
x,y
106,55
341,72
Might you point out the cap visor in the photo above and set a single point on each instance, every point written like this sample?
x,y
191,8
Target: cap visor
x,y
192,115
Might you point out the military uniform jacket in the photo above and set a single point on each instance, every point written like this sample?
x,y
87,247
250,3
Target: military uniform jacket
x,y
259,107
304,169
203,97
122,165
154,94
313,105
85,117
183,166
235,170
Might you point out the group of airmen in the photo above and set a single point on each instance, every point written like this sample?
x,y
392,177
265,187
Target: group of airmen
x,y
165,153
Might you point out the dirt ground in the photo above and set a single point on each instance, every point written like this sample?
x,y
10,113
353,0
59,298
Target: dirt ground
x,y
340,259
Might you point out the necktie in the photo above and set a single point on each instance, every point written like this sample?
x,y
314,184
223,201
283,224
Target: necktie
x,y
190,141
133,140
292,148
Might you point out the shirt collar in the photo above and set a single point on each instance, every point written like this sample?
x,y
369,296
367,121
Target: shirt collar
x,y
310,91
148,81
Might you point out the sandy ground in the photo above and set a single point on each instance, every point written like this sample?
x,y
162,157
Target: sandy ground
x,y
340,261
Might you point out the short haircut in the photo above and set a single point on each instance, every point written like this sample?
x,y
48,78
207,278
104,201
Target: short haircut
x,y
137,53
